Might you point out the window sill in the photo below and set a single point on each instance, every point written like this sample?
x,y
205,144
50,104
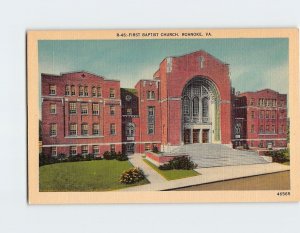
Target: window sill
x,y
87,136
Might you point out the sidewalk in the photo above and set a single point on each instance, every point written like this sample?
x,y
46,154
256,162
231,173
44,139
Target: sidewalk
x,y
207,175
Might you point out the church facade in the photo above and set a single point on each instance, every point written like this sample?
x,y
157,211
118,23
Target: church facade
x,y
189,100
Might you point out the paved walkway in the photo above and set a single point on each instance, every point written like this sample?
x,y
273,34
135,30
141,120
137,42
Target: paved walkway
x,y
151,175
208,175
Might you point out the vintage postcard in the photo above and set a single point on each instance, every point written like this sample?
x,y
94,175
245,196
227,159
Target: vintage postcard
x,y
163,116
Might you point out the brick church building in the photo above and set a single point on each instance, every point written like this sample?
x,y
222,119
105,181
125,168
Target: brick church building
x,y
188,100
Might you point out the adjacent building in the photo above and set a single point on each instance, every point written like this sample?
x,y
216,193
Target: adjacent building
x,y
188,100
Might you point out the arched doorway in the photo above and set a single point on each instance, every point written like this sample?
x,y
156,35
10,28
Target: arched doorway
x,y
200,112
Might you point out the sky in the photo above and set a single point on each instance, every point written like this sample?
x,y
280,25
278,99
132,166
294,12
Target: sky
x,y
255,64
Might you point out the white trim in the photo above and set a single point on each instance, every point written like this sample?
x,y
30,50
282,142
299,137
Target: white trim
x,y
97,144
260,139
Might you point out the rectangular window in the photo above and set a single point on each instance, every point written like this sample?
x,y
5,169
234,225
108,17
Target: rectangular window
x,y
273,114
72,108
52,90
252,114
129,111
73,92
261,114
112,93
95,109
86,91
252,128
73,129
267,114
53,108
112,148
274,103
84,129
147,146
81,90
150,95
267,128
53,151
68,90
261,129
73,150
99,92
113,129
252,102
112,110
84,108
53,130
96,150
96,129
151,120
84,150
273,130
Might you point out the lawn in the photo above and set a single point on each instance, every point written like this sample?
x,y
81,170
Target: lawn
x,y
97,175
172,174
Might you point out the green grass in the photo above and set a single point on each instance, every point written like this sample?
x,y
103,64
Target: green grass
x,y
172,174
98,175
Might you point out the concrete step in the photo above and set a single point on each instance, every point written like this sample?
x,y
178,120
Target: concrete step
x,y
215,155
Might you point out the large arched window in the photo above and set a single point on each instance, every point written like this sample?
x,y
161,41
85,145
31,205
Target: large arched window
x,y
195,106
186,106
130,129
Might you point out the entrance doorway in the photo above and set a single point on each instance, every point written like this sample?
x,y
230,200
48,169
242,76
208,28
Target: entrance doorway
x,y
196,135
205,137
186,136
130,148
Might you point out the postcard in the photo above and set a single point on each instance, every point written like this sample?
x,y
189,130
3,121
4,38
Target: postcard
x,y
163,116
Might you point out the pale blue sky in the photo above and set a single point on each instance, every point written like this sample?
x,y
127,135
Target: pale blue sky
x,y
254,63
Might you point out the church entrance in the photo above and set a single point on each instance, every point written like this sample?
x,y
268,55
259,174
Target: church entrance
x,y
200,110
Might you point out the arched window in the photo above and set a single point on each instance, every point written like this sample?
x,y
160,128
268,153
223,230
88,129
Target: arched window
x,y
186,106
73,90
94,91
205,107
195,106
130,129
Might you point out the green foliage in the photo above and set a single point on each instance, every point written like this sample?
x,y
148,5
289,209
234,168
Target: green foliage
x,y
182,162
121,157
107,155
279,156
155,149
132,175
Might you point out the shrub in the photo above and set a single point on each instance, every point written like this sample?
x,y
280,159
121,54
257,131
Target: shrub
x,y
89,157
121,157
155,149
107,155
131,176
179,163
279,156
61,157
75,158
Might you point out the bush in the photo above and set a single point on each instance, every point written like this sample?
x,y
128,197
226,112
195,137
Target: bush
x,y
155,149
89,157
46,159
75,158
62,157
279,156
121,157
179,163
107,155
132,176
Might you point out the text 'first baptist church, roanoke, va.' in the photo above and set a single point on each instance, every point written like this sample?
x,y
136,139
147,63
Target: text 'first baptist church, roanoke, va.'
x,y
189,100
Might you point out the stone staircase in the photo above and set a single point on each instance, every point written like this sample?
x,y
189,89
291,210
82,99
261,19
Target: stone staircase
x,y
218,155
